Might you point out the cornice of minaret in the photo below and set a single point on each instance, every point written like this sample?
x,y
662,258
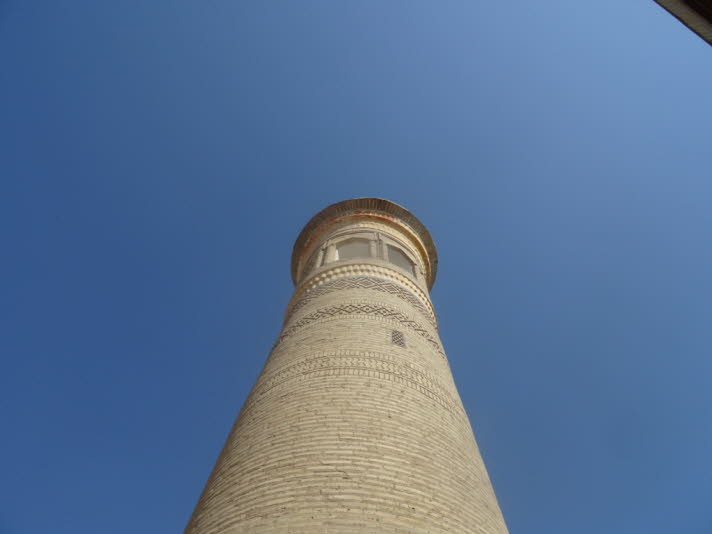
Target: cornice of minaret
x,y
376,209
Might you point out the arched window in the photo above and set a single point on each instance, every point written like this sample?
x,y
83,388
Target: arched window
x,y
353,248
312,261
398,257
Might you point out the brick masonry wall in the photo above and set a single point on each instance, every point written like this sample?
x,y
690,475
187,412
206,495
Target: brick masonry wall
x,y
346,431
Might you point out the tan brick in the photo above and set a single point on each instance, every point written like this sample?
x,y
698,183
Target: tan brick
x,y
346,431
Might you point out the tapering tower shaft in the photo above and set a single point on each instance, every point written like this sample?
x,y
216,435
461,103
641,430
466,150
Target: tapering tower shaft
x,y
355,423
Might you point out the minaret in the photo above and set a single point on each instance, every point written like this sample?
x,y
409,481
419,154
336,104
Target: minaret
x,y
354,424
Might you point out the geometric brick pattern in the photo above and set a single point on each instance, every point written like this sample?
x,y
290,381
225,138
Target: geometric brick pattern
x,y
358,309
367,364
362,282
397,338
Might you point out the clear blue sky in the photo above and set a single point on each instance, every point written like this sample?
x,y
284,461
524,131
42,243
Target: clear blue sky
x,y
158,159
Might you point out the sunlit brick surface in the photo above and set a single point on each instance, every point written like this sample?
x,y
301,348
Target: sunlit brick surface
x,y
346,431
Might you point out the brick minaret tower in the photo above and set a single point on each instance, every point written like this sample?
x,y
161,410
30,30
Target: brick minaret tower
x,y
354,424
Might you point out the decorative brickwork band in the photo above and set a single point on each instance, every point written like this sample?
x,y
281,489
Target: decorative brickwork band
x,y
362,282
368,364
362,309
383,272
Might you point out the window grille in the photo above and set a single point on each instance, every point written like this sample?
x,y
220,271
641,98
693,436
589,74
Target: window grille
x,y
397,338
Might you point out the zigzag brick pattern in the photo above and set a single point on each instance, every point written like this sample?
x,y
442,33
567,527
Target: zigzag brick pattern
x,y
362,282
355,309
